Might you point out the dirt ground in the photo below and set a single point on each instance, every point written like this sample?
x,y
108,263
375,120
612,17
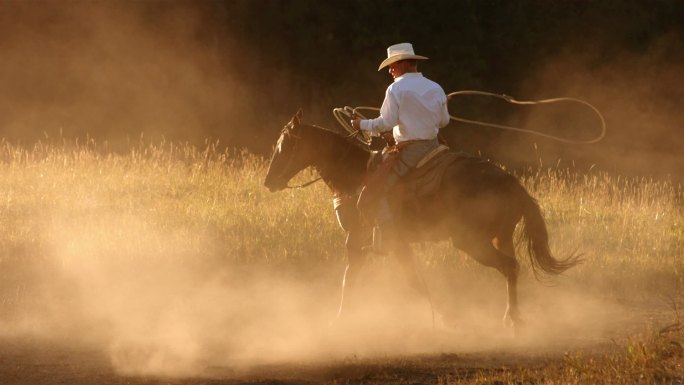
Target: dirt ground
x,y
171,332
28,361
41,361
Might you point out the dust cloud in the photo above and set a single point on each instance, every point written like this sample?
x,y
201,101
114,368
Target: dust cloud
x,y
638,91
169,303
164,303
114,70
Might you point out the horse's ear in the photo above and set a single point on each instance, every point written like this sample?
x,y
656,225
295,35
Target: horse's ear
x,y
297,119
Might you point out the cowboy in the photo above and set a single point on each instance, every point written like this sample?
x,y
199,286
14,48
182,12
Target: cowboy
x,y
414,110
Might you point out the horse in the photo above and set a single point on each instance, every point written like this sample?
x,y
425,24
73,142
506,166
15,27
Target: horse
x,y
477,205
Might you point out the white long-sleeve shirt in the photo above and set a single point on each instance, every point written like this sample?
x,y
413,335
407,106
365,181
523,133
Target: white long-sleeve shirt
x,y
415,108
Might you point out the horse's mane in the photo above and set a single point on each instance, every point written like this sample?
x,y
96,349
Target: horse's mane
x,y
344,136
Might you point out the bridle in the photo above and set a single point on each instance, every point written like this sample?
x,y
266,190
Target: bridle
x,y
348,137
286,131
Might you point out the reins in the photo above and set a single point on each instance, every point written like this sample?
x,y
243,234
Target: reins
x,y
307,184
345,114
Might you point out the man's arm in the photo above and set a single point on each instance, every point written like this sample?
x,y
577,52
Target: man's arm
x,y
444,115
389,117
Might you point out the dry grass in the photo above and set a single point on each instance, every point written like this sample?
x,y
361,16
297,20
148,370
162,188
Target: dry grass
x,y
631,230
644,359
213,203
71,204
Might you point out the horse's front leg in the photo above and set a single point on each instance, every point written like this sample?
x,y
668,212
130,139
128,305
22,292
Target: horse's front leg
x,y
356,258
349,219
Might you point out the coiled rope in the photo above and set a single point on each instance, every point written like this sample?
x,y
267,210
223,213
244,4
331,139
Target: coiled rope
x,y
345,114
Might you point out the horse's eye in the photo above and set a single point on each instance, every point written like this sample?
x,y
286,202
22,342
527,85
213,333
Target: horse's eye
x,y
284,143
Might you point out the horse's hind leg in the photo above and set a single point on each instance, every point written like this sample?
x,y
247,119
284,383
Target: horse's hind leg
x,y
502,259
504,243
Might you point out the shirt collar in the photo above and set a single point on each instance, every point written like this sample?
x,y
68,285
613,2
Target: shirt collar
x,y
409,75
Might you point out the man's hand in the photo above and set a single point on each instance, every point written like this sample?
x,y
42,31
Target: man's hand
x,y
356,124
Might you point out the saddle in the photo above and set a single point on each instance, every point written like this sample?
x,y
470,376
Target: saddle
x,y
416,187
426,177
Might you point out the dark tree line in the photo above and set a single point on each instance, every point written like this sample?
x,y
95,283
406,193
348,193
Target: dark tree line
x,y
241,68
328,53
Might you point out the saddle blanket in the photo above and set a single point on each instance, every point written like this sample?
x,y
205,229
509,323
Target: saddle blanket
x,y
425,179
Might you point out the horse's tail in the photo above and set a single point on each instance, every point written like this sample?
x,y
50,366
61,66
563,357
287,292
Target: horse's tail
x,y
537,239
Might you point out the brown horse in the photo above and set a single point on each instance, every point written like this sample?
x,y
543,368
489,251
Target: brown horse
x,y
477,205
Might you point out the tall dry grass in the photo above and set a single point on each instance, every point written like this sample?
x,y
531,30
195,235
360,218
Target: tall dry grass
x,y
212,202
91,230
631,230
174,200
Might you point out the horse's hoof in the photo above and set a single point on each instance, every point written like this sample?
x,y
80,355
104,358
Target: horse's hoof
x,y
519,329
336,320
509,321
512,321
515,325
341,321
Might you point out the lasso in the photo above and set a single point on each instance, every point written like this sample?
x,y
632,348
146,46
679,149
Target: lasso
x,y
345,114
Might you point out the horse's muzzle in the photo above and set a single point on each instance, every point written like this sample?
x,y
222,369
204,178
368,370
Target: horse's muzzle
x,y
274,187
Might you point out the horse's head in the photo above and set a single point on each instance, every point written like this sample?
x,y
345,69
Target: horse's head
x,y
288,156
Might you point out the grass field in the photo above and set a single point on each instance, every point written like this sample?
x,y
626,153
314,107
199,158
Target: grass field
x,y
178,254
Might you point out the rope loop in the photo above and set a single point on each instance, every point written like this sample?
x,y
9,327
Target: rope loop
x,y
512,100
345,114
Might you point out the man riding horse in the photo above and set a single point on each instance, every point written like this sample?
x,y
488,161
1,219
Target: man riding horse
x,y
473,203
414,110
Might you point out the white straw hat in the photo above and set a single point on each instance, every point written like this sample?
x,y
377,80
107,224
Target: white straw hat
x,y
397,52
